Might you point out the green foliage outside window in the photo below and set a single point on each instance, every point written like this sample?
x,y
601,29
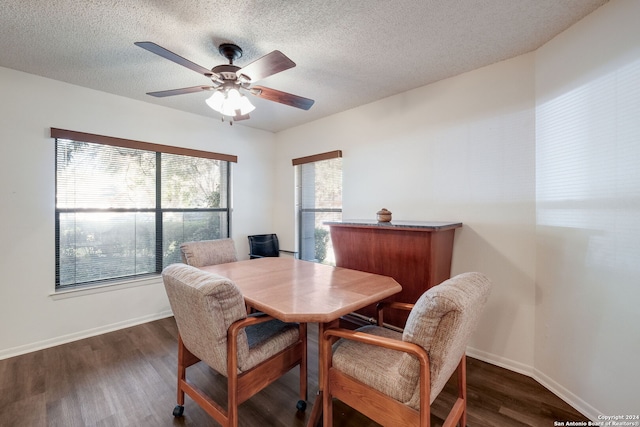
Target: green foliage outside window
x,y
322,240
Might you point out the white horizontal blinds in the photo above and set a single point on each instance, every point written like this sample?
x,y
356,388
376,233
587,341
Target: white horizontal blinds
x,y
191,182
320,200
105,201
194,201
123,211
95,176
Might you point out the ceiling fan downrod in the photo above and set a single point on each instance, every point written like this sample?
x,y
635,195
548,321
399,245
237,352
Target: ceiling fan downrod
x,y
230,51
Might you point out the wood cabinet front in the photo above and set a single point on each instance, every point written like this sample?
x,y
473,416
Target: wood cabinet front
x,y
416,254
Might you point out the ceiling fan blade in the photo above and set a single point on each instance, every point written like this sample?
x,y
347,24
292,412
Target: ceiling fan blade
x,y
159,50
163,93
266,66
282,97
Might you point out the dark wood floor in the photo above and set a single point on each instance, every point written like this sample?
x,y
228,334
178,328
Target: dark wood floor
x,y
127,378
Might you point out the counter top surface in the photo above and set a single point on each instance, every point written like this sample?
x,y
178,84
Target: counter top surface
x,y
431,225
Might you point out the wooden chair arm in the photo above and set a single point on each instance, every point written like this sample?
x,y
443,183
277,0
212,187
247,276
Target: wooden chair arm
x,y
392,305
232,339
390,343
250,320
238,325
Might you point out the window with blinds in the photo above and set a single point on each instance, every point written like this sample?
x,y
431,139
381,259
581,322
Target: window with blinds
x,y
319,200
122,211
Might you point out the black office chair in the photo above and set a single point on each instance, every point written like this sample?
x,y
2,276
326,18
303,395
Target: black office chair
x,y
263,245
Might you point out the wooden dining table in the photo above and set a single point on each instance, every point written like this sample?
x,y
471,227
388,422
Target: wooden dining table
x,y
293,290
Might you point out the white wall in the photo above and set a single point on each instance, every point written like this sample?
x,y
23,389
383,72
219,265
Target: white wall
x,y
29,317
458,150
588,211
538,157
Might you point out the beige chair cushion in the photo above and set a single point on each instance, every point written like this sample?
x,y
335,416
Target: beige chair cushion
x,y
208,252
441,322
205,305
267,339
375,366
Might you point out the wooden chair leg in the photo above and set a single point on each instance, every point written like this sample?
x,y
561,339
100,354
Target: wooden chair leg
x,y
303,363
458,414
181,377
232,380
462,388
182,371
327,409
325,366
185,359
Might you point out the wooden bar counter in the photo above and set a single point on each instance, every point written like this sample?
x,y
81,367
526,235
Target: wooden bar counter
x,y
416,254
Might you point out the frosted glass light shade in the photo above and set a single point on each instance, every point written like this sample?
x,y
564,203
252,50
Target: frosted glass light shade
x,y
246,106
215,101
230,102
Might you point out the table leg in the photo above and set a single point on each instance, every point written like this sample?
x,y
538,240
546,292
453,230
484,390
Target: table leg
x,y
316,411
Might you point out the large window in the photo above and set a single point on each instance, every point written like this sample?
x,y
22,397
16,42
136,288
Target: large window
x,y
319,200
124,207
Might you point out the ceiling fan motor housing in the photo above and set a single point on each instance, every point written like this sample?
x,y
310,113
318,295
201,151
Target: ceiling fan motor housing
x,y
228,72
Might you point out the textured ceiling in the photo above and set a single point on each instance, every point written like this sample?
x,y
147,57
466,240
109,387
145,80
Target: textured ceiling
x,y
348,52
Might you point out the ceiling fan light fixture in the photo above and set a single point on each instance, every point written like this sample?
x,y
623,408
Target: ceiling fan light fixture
x,y
216,100
245,105
233,95
228,110
230,102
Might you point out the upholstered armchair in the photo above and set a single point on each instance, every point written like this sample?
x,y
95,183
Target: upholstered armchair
x,y
393,377
251,351
208,252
